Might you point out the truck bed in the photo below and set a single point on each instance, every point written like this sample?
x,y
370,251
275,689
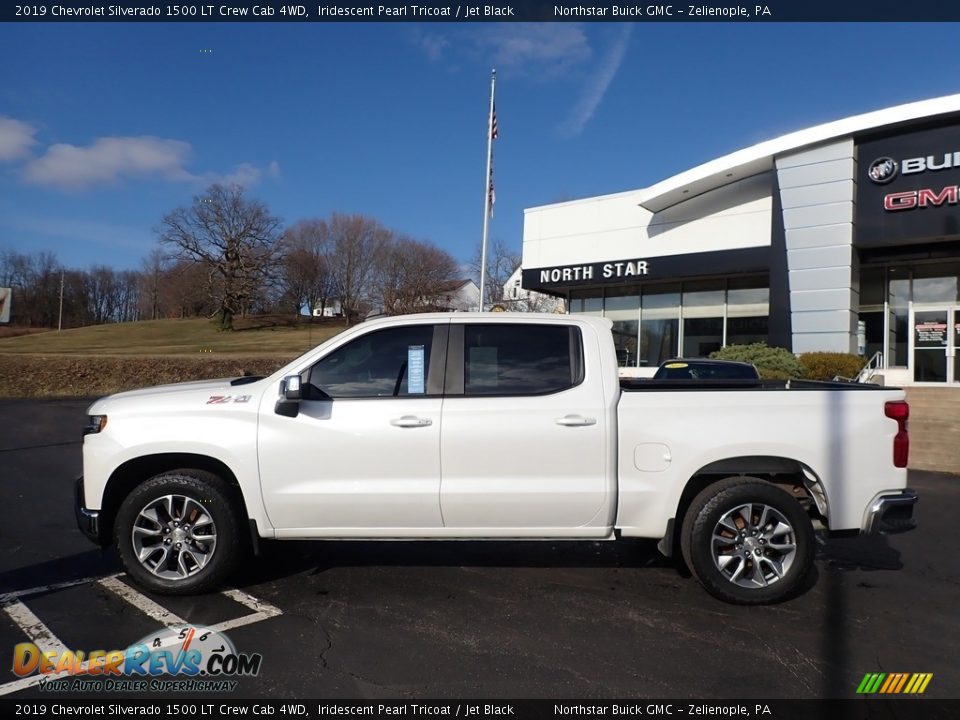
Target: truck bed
x,y
650,385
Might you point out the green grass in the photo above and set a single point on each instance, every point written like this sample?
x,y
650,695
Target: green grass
x,y
262,336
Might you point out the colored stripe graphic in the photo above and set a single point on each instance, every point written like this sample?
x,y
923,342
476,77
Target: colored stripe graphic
x,y
894,683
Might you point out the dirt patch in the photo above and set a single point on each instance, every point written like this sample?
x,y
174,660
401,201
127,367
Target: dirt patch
x,y
24,376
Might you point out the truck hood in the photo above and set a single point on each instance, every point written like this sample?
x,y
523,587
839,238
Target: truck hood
x,y
220,386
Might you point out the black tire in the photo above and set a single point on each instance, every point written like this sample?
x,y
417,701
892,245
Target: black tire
x,y
211,499
726,500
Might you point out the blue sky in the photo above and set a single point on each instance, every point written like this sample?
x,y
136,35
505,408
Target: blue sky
x,y
104,128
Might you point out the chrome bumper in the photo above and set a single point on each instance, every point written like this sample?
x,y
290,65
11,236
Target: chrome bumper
x,y
891,514
87,520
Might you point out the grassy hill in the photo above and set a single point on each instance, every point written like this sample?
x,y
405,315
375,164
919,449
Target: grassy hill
x,y
104,359
267,335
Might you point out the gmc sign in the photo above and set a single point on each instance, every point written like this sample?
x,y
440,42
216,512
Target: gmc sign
x,y
898,175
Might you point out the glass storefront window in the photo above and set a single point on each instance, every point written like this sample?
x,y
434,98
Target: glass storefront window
x,y
747,330
872,285
586,302
624,311
898,297
701,336
873,325
659,324
747,297
647,328
936,283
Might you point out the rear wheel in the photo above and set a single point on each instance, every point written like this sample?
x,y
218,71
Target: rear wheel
x,y
748,542
179,533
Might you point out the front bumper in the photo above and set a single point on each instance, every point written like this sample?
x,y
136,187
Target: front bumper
x,y
891,513
87,520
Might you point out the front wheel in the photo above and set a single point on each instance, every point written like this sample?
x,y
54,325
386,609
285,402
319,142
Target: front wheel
x,y
178,533
748,542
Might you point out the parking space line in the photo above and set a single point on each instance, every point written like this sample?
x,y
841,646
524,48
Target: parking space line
x,y
24,683
141,602
33,627
253,603
39,634
7,597
264,611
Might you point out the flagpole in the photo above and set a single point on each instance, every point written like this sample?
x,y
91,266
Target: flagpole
x,y
486,191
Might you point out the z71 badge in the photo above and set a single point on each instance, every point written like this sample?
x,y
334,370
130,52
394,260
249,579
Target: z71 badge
x,y
220,399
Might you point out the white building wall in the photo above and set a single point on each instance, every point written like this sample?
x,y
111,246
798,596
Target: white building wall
x,y
615,227
818,194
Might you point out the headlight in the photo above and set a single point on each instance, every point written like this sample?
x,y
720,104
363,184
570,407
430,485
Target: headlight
x,y
95,423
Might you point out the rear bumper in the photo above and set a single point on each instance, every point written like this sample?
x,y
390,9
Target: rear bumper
x,y
891,513
87,520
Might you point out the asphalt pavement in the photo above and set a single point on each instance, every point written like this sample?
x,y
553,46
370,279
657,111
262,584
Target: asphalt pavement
x,y
409,620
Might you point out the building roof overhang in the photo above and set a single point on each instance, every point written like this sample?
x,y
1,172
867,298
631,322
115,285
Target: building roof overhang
x,y
761,157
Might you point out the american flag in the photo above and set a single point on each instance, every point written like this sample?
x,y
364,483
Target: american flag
x,y
494,130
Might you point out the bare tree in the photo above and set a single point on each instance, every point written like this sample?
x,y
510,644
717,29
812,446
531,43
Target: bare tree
x,y
357,245
151,280
185,290
501,262
414,277
305,276
235,237
35,281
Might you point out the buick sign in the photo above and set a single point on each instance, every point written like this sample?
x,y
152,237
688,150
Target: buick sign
x,y
882,170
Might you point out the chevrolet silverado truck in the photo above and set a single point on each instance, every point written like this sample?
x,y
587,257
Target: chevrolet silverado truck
x,y
491,426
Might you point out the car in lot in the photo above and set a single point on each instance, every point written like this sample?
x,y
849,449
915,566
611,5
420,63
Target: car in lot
x,y
702,369
491,426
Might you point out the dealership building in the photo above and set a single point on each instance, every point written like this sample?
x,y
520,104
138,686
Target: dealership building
x,y
840,237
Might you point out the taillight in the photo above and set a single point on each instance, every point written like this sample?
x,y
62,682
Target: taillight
x,y
899,410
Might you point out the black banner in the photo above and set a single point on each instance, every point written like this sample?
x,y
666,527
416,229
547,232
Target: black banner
x,y
635,270
907,188
490,11
901,708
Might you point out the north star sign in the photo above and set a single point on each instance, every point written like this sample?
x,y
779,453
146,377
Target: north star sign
x,y
592,271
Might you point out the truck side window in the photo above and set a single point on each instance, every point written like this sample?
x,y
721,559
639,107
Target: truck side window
x,y
522,359
384,363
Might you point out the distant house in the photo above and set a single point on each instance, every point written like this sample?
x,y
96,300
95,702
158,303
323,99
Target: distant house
x,y
459,296
330,310
519,300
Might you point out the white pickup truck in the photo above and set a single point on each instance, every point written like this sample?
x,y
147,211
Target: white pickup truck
x,y
491,425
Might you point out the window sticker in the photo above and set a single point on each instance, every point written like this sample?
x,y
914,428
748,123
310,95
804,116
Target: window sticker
x,y
415,384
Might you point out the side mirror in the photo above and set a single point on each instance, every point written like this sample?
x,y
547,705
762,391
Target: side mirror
x,y
291,387
290,392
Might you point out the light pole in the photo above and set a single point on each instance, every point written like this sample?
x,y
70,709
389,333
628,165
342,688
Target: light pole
x,y
60,317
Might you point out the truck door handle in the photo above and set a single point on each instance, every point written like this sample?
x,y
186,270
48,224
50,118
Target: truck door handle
x,y
411,421
576,421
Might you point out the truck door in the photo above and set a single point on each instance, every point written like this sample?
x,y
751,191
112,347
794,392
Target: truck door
x,y
524,439
362,457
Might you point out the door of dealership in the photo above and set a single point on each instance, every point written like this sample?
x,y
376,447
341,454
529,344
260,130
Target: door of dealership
x,y
936,337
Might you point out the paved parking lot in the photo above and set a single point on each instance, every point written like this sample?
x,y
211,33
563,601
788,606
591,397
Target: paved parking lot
x,y
483,620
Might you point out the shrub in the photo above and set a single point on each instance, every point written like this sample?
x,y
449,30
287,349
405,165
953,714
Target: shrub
x,y
774,363
828,365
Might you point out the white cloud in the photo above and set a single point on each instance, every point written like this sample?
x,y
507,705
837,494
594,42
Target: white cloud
x,y
245,175
107,160
111,159
549,48
432,44
597,85
16,138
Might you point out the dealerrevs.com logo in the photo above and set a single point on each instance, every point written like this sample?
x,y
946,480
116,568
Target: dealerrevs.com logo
x,y
883,170
198,659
